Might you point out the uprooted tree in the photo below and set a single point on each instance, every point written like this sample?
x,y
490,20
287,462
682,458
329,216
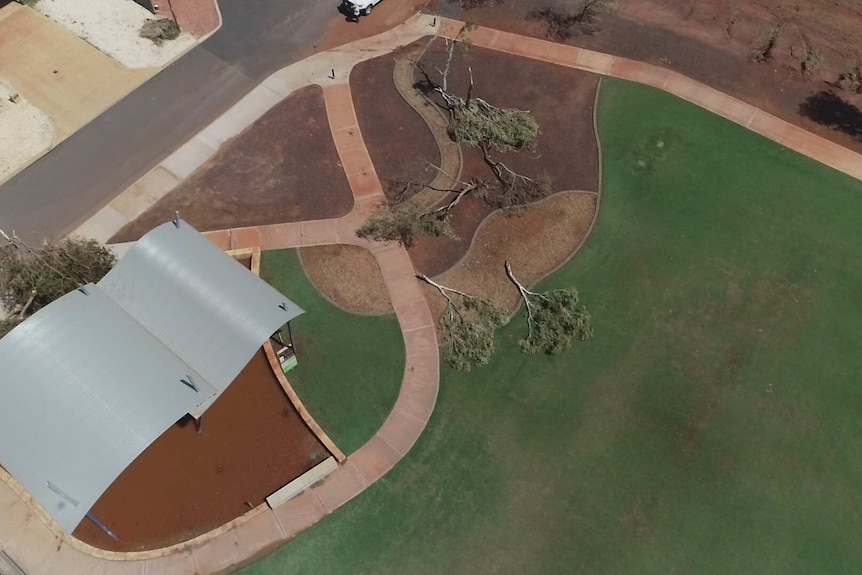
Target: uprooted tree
x,y
469,323
554,318
403,219
31,277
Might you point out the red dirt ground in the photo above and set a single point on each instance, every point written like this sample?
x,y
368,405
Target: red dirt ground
x,y
282,168
252,443
398,139
713,41
560,99
197,17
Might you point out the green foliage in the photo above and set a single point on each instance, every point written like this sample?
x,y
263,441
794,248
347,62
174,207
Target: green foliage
x,y
160,30
554,319
7,325
51,271
470,324
403,222
475,121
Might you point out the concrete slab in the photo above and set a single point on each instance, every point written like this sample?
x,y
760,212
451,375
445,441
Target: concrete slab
x,y
280,236
374,459
13,520
103,225
393,261
421,370
32,546
421,341
595,62
339,487
125,568
400,431
69,561
299,513
414,314
220,238
354,161
219,553
246,112
319,232
365,183
418,400
145,192
191,155
339,107
259,533
349,138
176,564
241,238
640,72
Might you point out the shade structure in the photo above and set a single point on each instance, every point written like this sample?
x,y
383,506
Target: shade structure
x,y
91,380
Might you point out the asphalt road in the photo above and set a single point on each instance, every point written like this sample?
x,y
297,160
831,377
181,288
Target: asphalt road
x,y
60,190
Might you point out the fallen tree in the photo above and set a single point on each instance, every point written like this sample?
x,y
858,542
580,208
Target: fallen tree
x,y
554,318
469,323
32,277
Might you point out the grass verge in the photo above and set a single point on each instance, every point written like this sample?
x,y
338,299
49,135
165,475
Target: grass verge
x,y
350,366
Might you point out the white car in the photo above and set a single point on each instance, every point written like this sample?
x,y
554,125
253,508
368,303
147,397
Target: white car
x,y
360,7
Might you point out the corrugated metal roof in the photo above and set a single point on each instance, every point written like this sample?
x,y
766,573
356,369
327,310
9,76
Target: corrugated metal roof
x,y
91,380
84,392
201,303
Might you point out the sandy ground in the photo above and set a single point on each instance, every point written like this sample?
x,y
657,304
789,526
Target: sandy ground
x,y
113,27
25,132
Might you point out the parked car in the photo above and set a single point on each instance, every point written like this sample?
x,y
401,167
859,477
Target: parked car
x,y
358,8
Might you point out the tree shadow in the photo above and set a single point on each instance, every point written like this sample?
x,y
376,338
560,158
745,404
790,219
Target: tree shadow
x,y
828,109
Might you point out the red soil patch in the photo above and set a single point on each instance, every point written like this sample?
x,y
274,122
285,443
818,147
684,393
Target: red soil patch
x,y
252,443
560,99
197,17
282,168
713,41
386,15
398,139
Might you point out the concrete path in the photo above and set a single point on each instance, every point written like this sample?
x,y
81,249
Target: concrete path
x,y
24,531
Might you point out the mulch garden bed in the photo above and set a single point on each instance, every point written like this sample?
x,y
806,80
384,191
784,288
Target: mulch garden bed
x,y
535,239
398,139
252,443
560,99
348,276
282,168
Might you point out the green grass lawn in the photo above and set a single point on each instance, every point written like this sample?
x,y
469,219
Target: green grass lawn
x,y
712,426
350,366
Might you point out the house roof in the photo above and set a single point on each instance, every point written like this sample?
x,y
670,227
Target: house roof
x,y
91,380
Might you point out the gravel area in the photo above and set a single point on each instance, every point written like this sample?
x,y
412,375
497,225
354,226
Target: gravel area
x,y
113,26
25,132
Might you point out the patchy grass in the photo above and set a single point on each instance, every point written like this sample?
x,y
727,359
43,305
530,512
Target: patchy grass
x,y
350,366
712,424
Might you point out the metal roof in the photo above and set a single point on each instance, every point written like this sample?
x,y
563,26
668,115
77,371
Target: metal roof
x,y
198,301
91,380
84,392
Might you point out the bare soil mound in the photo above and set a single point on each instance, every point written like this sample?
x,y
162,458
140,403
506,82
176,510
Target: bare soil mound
x,y
282,168
348,276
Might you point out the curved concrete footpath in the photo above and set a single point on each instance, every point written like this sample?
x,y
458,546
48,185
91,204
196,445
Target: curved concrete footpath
x,y
24,531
